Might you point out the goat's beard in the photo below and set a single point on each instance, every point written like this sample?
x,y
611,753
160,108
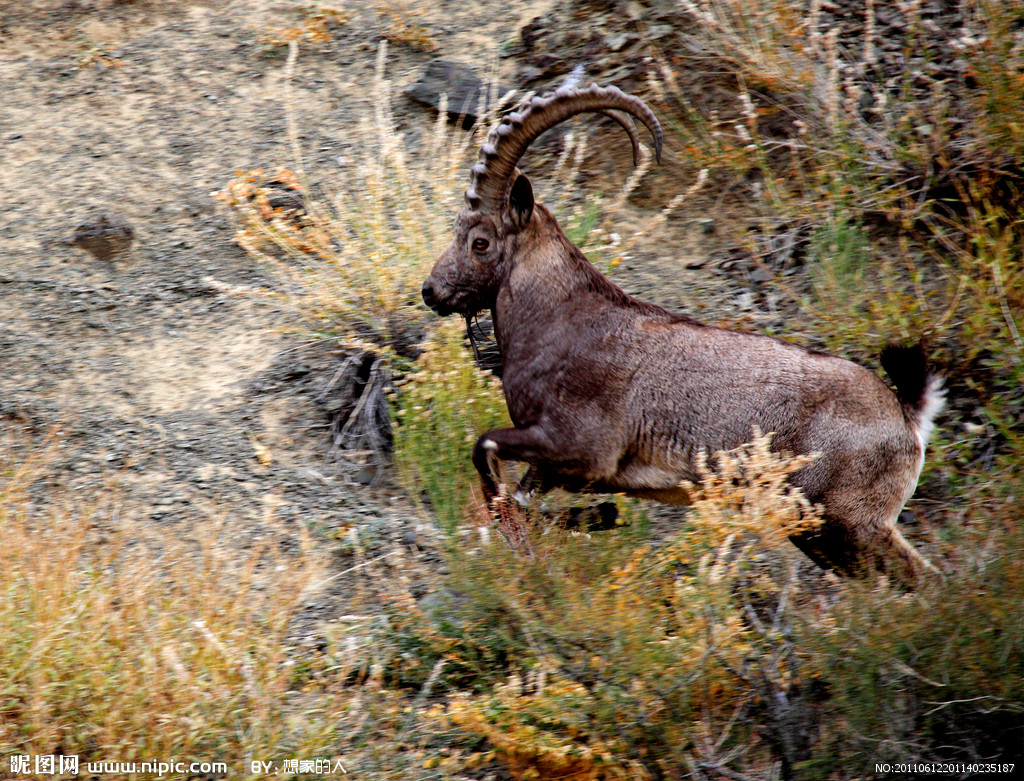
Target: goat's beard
x,y
472,338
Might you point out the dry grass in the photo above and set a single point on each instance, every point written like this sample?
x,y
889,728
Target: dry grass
x,y
315,26
123,643
355,258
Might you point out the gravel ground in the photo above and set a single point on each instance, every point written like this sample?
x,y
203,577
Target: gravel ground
x,y
195,403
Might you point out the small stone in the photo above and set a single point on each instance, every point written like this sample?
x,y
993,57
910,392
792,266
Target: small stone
x,y
335,405
706,225
617,41
105,236
366,474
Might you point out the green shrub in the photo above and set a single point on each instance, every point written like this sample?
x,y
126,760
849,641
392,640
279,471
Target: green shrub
x,y
618,659
445,404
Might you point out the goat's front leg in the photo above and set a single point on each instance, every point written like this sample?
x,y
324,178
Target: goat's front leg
x,y
532,482
539,481
533,446
530,445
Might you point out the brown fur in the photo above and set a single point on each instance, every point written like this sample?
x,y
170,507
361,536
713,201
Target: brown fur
x,y
614,394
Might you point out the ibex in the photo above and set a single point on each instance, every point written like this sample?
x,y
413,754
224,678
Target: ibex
x,y
612,394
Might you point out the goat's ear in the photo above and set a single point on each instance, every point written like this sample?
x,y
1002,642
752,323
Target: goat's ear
x,y
520,202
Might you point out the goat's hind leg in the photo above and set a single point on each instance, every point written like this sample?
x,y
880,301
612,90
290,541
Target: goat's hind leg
x,y
891,553
860,548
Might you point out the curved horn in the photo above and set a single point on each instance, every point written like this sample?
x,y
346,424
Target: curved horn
x,y
491,177
624,121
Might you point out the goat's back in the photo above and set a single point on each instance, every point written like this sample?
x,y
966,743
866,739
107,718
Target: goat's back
x,y
698,388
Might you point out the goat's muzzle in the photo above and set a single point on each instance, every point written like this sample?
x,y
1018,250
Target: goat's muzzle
x,y
430,299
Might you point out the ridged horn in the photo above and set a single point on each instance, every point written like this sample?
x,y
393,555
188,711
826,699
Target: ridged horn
x,y
492,175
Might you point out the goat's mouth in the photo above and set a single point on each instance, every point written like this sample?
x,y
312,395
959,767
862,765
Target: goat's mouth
x,y
459,303
445,308
434,301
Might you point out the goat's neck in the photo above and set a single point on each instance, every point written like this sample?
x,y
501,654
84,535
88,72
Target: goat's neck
x,y
551,288
544,292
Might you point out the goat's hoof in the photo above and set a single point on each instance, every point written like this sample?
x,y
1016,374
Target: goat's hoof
x,y
599,518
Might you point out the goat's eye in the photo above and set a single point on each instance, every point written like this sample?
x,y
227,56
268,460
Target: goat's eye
x,y
480,245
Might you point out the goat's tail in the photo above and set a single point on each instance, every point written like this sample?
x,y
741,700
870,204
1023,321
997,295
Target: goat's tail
x,y
919,389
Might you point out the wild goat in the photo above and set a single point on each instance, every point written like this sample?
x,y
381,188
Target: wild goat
x,y
612,394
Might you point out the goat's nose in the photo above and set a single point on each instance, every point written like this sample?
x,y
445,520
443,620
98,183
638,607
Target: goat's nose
x,y
429,296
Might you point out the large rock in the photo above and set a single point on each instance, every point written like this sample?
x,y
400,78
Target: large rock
x,y
462,86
